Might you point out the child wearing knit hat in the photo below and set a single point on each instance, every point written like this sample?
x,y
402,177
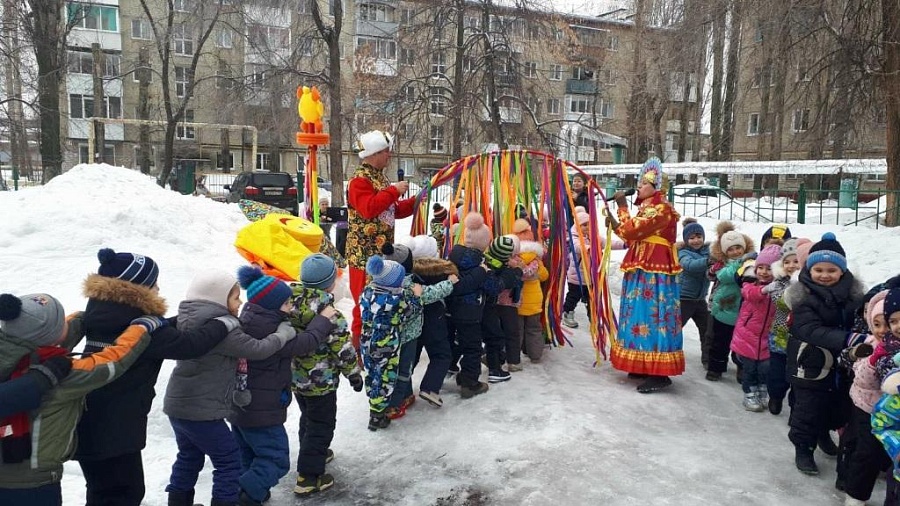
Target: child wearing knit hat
x,y
693,255
316,376
577,272
530,260
438,224
822,304
201,391
776,234
502,289
259,426
36,340
387,309
751,331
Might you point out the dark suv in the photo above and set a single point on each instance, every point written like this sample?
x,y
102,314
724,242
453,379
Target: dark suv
x,y
273,188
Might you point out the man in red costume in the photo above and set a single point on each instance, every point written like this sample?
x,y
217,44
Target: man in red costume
x,y
373,203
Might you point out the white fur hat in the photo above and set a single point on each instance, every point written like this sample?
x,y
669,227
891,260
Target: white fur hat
x,y
421,246
373,142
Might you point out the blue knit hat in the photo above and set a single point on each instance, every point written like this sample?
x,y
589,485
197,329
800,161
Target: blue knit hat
x,y
385,273
691,229
891,303
827,250
264,291
318,271
136,269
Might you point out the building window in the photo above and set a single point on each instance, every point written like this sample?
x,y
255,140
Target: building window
x,y
109,154
530,69
407,15
803,73
383,49
256,76
612,42
556,72
407,56
82,106
305,6
580,105
81,62
436,140
472,23
182,40
753,124
224,79
269,37
800,122
93,17
582,74
409,94
183,78
182,5
225,38
376,12
137,157
534,105
305,46
437,102
606,109
331,9
141,29
262,160
140,71
553,106
186,132
438,62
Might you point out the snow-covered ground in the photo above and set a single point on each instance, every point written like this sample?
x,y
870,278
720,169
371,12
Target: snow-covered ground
x,y
561,432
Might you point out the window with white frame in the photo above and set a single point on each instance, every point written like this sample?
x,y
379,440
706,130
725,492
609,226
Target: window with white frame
x,y
80,62
436,139
757,77
409,94
332,4
183,78
304,6
113,67
256,76
305,46
437,102
606,109
376,12
137,156
185,132
555,72
803,72
530,69
753,124
582,74
612,42
183,40
141,29
109,154
580,105
407,56
468,63
225,38
438,62
262,160
407,15
140,70
93,17
607,77
82,106
553,105
182,5
534,105
472,23
224,79
376,47
800,121
268,37
533,31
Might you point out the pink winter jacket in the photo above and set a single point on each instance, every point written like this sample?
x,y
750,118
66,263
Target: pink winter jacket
x,y
754,322
574,259
866,389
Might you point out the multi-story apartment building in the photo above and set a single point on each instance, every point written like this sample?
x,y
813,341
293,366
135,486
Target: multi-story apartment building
x,y
559,83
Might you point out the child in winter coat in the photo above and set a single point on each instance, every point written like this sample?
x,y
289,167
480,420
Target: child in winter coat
x,y
199,394
431,270
113,430
776,234
438,222
886,429
497,321
403,396
258,421
693,255
822,305
751,331
508,302
862,458
533,274
783,270
316,376
34,445
729,252
466,303
576,278
386,310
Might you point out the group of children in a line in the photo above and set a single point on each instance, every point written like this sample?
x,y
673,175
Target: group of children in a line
x,y
795,319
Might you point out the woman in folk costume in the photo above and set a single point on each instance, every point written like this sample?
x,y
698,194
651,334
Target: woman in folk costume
x,y
649,344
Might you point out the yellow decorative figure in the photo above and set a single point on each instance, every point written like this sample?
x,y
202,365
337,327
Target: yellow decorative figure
x,y
310,109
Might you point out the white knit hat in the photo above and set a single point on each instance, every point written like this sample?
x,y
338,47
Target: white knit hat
x,y
732,238
212,285
373,142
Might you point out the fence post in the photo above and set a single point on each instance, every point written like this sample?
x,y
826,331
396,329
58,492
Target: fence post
x,y
801,204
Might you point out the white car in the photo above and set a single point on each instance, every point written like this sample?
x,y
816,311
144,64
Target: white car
x,y
697,191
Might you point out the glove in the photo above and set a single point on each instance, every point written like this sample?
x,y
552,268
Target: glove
x,y
356,382
769,288
855,338
748,256
229,321
891,383
285,332
54,368
859,351
150,323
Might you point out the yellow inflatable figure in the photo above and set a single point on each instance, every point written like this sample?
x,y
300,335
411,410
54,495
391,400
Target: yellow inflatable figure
x,y
278,243
310,109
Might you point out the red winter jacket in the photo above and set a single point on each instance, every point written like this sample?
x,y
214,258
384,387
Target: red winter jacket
x,y
751,330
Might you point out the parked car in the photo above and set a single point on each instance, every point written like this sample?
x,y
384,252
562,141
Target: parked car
x,y
273,188
694,191
323,184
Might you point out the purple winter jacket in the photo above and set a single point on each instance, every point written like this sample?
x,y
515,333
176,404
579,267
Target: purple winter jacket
x,y
754,322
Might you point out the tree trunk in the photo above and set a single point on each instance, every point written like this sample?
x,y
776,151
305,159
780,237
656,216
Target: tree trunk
x,y
718,57
683,116
731,79
99,109
637,101
332,37
458,74
491,79
890,81
46,34
143,75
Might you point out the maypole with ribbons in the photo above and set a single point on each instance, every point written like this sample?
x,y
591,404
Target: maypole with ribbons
x,y
311,135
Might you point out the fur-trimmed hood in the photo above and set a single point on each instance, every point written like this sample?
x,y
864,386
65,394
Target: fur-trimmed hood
x,y
103,288
531,247
433,267
715,248
680,245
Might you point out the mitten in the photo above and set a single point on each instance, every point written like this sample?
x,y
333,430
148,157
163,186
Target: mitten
x,y
356,382
150,323
769,288
229,321
891,383
859,351
285,332
54,369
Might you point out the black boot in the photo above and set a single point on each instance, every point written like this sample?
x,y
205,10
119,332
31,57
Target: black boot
x,y
181,498
775,405
654,384
827,445
378,421
805,462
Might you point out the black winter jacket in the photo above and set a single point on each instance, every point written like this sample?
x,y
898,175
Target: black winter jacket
x,y
466,302
820,323
431,271
114,422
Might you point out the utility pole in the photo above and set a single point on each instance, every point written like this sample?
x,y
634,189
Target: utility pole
x,y
143,77
99,103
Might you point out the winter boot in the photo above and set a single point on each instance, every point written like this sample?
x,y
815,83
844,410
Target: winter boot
x,y
432,398
514,367
751,402
654,384
498,376
453,370
307,485
775,405
378,421
762,393
805,462
568,320
329,455
395,412
826,444
181,498
467,392
408,401
713,376
246,500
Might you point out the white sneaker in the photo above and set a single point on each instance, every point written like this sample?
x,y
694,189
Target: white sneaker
x,y
568,319
751,402
513,367
431,398
849,501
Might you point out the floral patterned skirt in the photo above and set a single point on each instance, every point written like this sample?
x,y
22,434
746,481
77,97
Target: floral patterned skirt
x,y
649,339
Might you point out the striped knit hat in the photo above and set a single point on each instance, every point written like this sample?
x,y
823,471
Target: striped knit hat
x,y
136,269
264,291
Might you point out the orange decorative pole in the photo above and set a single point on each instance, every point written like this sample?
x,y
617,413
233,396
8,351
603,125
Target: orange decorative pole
x,y
310,109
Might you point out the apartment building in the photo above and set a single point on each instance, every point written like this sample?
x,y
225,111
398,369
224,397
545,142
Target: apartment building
x,y
559,83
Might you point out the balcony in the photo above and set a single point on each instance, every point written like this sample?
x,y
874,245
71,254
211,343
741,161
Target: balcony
x,y
377,28
580,87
